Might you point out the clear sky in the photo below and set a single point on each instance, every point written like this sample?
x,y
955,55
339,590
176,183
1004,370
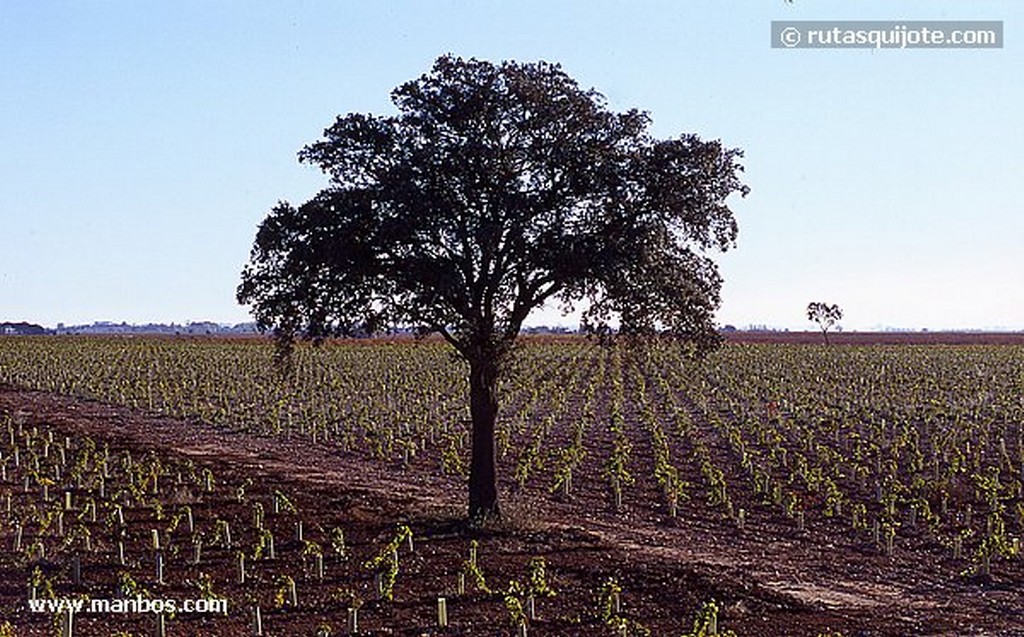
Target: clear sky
x,y
142,142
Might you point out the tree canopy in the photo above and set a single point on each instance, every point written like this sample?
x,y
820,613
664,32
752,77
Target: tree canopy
x,y
494,189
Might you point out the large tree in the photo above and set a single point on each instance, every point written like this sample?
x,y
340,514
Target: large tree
x,y
494,189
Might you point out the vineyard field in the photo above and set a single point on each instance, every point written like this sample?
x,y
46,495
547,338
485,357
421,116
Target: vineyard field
x,y
774,488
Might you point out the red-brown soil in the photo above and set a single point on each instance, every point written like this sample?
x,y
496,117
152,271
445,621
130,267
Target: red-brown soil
x,y
769,580
878,338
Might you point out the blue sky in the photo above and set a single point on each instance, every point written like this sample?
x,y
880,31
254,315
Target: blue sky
x,y
142,142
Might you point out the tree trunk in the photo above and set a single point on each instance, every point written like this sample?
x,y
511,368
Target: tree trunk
x,y
483,407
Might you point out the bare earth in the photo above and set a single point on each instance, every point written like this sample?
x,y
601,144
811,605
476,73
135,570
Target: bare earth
x,y
771,579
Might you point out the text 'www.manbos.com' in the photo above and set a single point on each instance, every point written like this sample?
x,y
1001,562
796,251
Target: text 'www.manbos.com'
x,y
887,35
127,606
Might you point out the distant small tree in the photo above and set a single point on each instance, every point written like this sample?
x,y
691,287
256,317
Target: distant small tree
x,y
824,315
